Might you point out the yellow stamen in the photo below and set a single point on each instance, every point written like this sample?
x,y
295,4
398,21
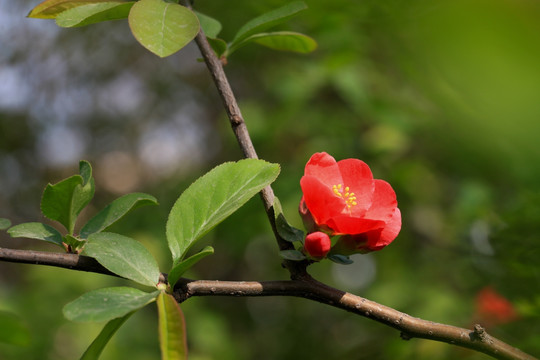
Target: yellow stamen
x,y
348,196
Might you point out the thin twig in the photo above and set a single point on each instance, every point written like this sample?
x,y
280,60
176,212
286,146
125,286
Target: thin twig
x,y
297,269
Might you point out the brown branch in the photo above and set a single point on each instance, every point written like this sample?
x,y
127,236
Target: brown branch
x,y
63,260
477,339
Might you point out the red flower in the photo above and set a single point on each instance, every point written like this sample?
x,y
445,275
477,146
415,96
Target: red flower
x,y
317,244
493,309
342,198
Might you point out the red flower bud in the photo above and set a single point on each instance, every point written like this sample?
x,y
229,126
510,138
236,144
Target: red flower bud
x,y
317,244
342,198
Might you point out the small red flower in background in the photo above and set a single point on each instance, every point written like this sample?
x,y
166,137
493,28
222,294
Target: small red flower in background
x,y
317,244
493,309
342,198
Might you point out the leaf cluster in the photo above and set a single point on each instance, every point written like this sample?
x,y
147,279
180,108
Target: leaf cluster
x,y
165,27
254,31
202,206
64,201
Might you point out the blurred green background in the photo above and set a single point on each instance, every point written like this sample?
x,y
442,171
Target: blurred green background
x,y
440,98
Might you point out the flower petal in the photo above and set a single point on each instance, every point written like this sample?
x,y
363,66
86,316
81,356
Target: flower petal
x,y
323,167
377,241
358,177
353,170
345,224
383,202
320,199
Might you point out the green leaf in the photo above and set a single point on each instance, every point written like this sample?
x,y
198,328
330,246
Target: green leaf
x,y
94,13
282,41
107,304
85,170
210,26
39,231
12,330
95,349
172,328
65,200
83,193
74,243
268,20
162,27
50,9
286,231
56,203
218,45
293,255
123,256
340,259
114,211
4,223
180,268
212,198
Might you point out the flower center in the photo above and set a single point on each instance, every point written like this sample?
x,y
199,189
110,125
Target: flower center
x,y
345,194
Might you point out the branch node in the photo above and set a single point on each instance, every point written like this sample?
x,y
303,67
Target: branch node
x,y
479,333
236,120
181,293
